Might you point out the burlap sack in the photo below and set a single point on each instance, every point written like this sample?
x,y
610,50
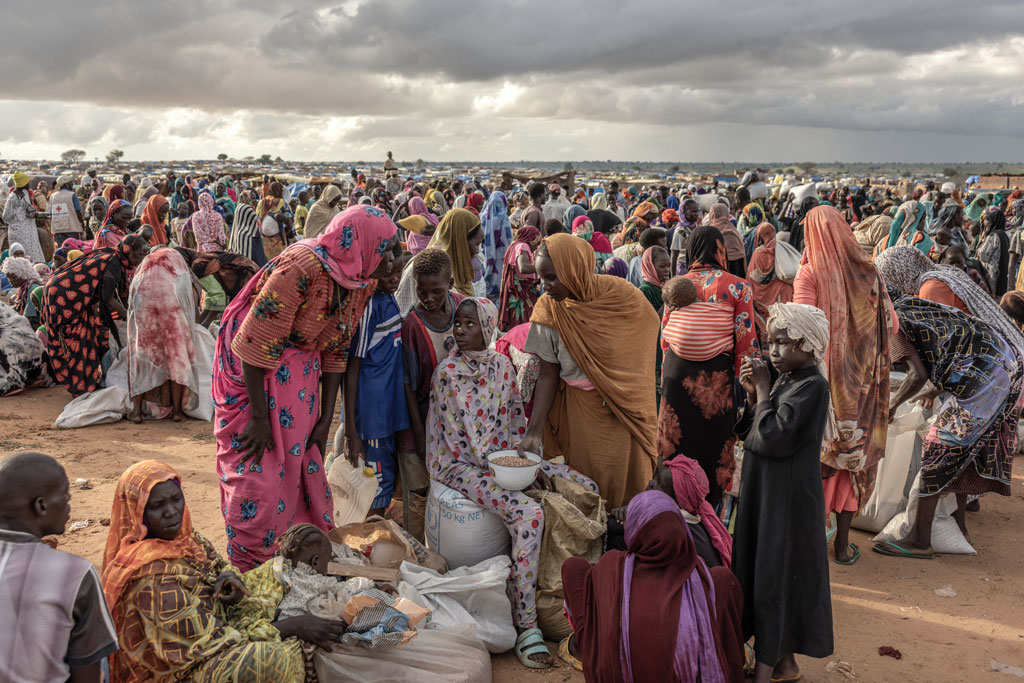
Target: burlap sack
x,y
575,521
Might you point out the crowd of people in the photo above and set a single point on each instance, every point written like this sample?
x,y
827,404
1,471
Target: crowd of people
x,y
691,353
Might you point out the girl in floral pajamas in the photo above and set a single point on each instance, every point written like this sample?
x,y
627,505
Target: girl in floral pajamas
x,y
475,409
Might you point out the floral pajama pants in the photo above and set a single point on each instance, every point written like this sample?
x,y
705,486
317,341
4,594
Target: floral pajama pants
x,y
524,519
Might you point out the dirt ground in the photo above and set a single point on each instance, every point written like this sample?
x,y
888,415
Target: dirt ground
x,y
878,601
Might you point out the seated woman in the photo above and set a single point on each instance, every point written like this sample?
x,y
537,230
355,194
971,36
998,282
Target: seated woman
x,y
690,632
78,308
475,409
179,609
162,302
683,479
22,355
977,374
25,279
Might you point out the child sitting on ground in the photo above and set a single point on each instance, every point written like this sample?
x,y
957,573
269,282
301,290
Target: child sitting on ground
x,y
375,404
779,550
694,330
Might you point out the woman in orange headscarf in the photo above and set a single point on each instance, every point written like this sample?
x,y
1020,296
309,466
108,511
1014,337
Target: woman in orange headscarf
x,y
155,215
768,289
169,593
838,277
594,403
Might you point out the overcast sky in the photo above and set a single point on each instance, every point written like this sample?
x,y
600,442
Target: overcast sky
x,y
669,80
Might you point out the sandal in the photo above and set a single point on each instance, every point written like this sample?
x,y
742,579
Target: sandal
x,y
531,642
566,656
788,679
892,550
853,557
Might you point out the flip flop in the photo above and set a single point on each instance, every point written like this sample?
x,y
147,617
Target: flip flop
x,y
566,656
892,550
853,558
531,642
788,679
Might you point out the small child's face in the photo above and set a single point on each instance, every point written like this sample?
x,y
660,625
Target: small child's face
x,y
785,352
663,266
316,554
466,329
389,283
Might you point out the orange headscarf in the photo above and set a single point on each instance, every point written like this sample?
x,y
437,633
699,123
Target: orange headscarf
x,y
128,550
151,216
644,209
851,293
605,328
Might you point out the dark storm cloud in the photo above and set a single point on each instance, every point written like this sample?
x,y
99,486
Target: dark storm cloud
x,y
408,69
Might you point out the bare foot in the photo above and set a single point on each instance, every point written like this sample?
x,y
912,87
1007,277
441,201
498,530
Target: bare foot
x,y
135,417
178,417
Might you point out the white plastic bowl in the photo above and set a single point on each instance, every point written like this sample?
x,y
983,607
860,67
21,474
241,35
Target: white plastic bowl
x,y
514,478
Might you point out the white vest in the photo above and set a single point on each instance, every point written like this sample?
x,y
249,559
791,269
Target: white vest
x,y
63,219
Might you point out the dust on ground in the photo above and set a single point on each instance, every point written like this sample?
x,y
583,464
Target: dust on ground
x,y
877,602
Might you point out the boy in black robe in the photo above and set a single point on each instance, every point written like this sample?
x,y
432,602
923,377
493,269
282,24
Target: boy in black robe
x,y
780,555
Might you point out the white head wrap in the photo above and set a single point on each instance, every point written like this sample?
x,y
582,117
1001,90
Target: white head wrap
x,y
809,325
20,267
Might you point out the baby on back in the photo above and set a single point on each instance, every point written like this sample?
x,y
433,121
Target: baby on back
x,y
694,330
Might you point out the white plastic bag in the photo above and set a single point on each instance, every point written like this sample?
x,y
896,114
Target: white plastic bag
x,y
453,655
946,535
353,490
204,344
896,471
103,406
467,595
460,530
787,261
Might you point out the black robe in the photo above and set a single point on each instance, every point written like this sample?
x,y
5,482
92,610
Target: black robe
x,y
779,554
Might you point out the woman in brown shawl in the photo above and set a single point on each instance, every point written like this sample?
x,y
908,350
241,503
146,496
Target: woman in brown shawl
x,y
595,336
837,276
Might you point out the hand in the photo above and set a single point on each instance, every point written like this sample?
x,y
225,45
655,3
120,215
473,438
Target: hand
x,y
543,482
229,589
324,633
318,437
619,514
530,443
355,450
255,439
747,379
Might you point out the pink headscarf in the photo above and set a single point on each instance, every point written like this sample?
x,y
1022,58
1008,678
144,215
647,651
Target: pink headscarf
x,y
353,244
690,485
650,275
418,207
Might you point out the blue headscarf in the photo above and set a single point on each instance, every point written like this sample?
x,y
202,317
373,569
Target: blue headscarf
x,y
571,214
497,236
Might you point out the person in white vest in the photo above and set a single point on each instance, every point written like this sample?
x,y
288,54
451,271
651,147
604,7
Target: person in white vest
x,y
65,211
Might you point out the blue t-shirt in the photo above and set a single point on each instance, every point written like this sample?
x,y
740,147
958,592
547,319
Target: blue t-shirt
x,y
381,409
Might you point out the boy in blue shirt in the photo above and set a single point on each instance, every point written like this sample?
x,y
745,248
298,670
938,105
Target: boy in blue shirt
x,y
375,405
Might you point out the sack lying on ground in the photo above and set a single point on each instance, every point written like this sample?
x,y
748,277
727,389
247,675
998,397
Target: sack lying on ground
x,y
466,595
452,655
461,530
946,534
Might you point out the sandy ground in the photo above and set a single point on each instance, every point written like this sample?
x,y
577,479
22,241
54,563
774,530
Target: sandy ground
x,y
879,601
